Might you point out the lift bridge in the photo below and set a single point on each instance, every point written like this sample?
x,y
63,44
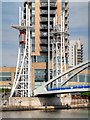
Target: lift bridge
x,y
51,88
59,83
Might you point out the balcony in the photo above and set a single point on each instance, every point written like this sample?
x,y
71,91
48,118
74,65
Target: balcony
x,y
44,42
45,49
45,20
45,6
45,13
44,28
44,34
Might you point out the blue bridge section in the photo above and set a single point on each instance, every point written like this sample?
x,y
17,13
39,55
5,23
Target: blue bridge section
x,y
53,87
70,87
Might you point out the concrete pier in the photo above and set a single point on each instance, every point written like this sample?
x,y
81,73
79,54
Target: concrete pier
x,y
44,103
41,101
35,101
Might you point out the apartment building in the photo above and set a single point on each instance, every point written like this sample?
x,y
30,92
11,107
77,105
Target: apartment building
x,y
42,14
75,52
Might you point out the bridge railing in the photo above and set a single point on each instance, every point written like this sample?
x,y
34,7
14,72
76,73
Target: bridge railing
x,y
76,70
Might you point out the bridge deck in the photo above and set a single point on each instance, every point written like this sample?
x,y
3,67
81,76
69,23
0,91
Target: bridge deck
x,y
64,90
70,87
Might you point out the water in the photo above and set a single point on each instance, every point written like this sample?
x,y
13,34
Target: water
x,y
70,113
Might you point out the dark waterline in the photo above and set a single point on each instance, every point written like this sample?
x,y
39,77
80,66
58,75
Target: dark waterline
x,y
70,113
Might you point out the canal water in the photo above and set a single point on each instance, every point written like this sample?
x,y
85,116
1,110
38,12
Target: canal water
x,y
66,113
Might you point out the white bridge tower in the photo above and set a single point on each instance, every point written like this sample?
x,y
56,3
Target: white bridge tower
x,y
22,81
58,50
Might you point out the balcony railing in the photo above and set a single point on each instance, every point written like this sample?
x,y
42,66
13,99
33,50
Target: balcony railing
x,y
44,19
46,4
46,12
44,34
44,27
44,41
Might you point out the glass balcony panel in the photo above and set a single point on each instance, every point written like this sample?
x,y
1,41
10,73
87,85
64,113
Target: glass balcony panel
x,y
44,41
44,48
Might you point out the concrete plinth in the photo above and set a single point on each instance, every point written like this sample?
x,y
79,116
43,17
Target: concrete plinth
x,y
35,101
40,101
66,99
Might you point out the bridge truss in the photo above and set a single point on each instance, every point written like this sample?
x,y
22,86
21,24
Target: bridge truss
x,y
49,88
22,82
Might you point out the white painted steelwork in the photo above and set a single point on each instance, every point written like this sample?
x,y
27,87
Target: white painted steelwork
x,y
44,88
22,81
48,40
58,49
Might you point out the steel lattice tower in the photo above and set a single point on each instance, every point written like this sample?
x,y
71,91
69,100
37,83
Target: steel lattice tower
x,y
22,82
58,50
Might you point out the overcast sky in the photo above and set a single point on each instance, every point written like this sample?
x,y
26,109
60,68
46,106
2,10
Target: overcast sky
x,y
78,28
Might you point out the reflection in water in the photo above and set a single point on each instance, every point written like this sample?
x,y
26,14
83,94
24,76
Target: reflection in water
x,y
70,113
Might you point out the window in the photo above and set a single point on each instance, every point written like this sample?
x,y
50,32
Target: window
x,y
44,48
44,41
81,78
88,78
33,47
33,19
75,78
42,58
88,68
33,40
33,12
66,60
5,76
33,4
63,5
33,34
33,58
39,59
40,75
5,73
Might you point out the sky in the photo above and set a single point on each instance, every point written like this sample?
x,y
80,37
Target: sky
x,y
78,28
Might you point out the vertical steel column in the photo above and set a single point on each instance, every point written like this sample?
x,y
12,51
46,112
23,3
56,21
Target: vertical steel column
x,y
20,16
48,40
64,44
61,50
29,56
28,46
56,61
52,59
64,41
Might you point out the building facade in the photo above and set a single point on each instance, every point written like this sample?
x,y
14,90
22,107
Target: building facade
x,y
7,77
42,15
75,52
